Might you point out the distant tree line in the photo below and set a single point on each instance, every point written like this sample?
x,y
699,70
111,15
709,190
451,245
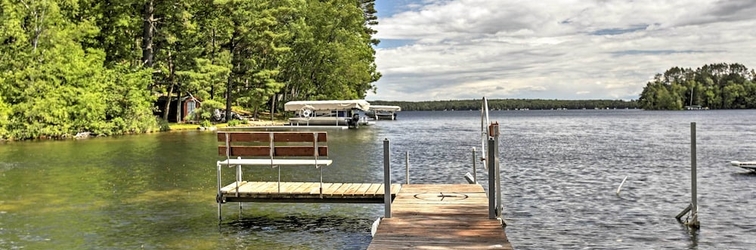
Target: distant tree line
x,y
510,104
713,86
69,66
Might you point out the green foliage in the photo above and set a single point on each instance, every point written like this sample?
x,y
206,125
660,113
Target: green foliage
x,y
206,110
206,123
233,123
5,111
333,57
163,125
79,65
714,86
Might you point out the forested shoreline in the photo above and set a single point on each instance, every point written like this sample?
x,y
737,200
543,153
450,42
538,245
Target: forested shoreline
x,y
70,66
712,86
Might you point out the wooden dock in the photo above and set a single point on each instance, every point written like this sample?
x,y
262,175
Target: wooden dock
x,y
440,216
306,192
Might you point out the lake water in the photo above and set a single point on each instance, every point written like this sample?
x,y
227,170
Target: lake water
x,y
560,172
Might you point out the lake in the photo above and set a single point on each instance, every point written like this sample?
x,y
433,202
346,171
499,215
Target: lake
x,y
560,172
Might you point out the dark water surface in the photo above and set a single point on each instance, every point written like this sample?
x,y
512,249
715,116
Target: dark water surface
x,y
560,173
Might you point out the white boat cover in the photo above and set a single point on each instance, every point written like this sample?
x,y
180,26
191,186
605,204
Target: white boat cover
x,y
385,108
327,105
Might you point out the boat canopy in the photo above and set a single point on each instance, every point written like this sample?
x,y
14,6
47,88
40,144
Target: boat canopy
x,y
385,108
327,105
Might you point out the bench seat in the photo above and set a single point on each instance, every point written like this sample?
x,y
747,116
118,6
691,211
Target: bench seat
x,y
276,162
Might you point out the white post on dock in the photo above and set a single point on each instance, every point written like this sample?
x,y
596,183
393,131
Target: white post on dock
x,y
491,180
218,197
406,162
475,171
693,179
494,131
386,178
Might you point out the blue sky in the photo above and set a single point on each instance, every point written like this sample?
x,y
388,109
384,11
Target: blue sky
x,y
551,49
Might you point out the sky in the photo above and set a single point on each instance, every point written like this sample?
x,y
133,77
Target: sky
x,y
551,49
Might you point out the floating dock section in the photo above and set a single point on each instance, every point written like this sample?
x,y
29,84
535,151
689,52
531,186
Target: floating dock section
x,y
306,192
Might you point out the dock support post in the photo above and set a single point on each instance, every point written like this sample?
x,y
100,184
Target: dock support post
x,y
693,206
693,179
218,197
494,131
406,161
386,178
475,171
491,180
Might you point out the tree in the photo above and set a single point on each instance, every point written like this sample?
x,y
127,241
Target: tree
x,y
714,86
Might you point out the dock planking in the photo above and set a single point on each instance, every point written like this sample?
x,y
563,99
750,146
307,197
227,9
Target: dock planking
x,y
440,216
298,192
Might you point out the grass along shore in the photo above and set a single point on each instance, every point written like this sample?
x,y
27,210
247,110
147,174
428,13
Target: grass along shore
x,y
190,126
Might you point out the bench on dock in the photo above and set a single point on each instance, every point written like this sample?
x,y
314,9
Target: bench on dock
x,y
273,149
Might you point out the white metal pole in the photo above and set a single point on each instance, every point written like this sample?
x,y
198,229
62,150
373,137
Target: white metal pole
x,y
693,178
406,161
475,171
491,181
386,178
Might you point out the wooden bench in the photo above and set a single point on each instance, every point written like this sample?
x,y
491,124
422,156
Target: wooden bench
x,y
274,149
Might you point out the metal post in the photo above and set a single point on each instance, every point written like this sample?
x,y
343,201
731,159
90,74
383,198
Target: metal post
x,y
693,178
386,178
406,161
238,179
218,196
495,133
491,180
475,171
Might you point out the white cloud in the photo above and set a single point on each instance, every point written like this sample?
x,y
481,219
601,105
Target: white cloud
x,y
578,49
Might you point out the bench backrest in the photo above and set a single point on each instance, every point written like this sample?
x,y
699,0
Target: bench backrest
x,y
272,144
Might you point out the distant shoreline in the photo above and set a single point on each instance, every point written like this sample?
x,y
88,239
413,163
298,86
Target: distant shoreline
x,y
510,104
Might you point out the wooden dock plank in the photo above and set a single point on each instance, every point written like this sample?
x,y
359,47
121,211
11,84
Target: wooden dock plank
x,y
341,190
352,189
291,188
395,188
316,190
373,189
332,188
362,190
446,216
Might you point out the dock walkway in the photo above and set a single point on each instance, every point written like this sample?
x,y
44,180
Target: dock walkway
x,y
306,192
440,216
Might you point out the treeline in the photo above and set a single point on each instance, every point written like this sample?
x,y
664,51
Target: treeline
x,y
713,86
69,66
511,104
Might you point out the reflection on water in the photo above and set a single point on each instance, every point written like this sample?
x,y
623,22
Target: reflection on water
x,y
560,173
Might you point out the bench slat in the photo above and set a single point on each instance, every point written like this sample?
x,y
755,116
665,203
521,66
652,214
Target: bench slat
x,y
278,151
299,137
265,136
244,137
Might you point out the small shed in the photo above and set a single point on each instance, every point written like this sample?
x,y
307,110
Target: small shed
x,y
188,105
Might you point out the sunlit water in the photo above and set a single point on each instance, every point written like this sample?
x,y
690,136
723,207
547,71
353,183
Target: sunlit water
x,y
560,172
